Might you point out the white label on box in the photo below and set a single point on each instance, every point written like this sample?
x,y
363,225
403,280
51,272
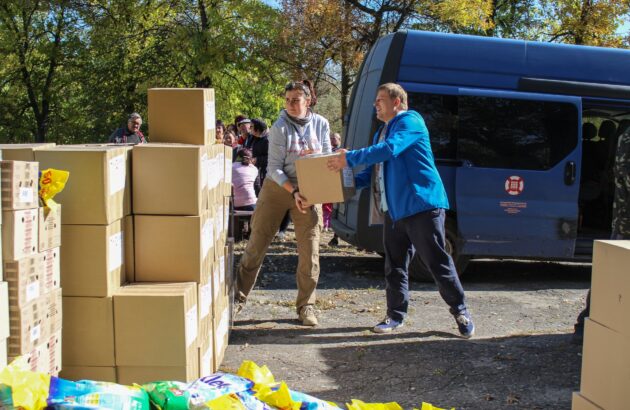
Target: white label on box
x,y
26,194
207,237
36,333
221,167
115,255
209,172
348,177
223,325
215,279
32,291
117,174
191,325
226,217
206,300
220,224
206,363
228,171
204,171
211,121
222,268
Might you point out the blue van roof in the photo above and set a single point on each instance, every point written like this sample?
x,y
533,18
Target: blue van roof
x,y
489,62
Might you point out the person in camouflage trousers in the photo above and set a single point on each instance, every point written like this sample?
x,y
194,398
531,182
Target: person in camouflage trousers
x,y
621,204
621,214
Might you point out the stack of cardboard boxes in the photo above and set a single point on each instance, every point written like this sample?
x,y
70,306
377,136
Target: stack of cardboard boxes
x,y
145,295
96,203
606,355
180,207
30,253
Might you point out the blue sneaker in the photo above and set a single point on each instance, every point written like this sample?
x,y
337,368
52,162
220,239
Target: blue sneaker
x,y
465,324
388,325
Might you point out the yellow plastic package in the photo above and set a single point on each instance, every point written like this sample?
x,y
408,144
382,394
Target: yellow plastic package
x,y
28,390
51,182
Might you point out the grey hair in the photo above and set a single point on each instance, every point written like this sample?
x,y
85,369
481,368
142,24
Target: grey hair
x,y
134,116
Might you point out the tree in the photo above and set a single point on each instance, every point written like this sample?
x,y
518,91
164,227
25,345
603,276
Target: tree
x,y
587,22
37,38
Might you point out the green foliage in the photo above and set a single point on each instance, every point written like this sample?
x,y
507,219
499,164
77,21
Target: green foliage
x,y
73,70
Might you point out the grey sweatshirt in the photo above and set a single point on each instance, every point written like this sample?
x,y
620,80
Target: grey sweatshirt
x,y
287,140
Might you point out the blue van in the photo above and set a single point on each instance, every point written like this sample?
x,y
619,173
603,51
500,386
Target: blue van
x,y
524,135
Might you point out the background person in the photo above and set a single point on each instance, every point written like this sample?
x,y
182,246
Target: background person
x,y
335,141
129,134
220,132
299,131
409,195
260,146
244,181
621,215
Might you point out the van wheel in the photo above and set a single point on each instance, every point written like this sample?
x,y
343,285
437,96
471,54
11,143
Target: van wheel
x,y
418,271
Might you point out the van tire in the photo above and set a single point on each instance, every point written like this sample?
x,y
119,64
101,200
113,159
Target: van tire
x,y
418,271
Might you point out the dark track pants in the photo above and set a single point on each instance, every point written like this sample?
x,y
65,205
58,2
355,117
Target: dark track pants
x,y
422,233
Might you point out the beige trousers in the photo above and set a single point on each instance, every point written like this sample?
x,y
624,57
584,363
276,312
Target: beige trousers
x,y
273,203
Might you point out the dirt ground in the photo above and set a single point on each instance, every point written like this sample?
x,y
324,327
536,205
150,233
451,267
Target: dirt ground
x,y
520,358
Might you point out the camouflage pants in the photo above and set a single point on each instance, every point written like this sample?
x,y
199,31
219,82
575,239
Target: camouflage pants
x,y
621,204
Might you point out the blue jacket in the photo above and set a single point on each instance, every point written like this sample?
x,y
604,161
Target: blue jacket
x,y
412,182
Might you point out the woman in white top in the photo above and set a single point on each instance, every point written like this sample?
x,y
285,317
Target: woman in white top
x,y
299,131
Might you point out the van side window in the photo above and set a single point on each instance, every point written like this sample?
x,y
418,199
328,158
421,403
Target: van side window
x,y
440,115
511,133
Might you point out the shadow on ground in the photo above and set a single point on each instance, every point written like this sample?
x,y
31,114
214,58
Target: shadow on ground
x,y
518,372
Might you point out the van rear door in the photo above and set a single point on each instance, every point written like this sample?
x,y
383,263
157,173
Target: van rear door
x,y
517,191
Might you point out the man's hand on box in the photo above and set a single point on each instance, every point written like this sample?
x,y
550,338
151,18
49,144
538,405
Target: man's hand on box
x,y
338,162
301,202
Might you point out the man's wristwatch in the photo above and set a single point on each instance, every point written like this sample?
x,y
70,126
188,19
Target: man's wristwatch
x,y
294,191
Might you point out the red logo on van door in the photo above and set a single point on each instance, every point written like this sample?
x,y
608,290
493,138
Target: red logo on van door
x,y
514,185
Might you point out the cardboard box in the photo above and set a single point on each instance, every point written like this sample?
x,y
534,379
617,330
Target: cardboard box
x,y
88,332
4,310
51,269
181,115
206,361
169,179
46,357
605,366
580,402
49,227
20,183
76,373
92,261
19,234
204,304
214,174
172,248
3,353
22,152
130,259
144,314
128,375
54,311
230,272
610,285
319,185
28,326
98,190
26,280
221,333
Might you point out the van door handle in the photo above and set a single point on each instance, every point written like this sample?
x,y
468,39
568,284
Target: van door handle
x,y
569,173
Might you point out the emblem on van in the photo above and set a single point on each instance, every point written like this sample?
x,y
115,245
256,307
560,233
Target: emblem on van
x,y
514,185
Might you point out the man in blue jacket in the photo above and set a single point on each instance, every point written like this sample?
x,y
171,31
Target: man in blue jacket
x,y
408,196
